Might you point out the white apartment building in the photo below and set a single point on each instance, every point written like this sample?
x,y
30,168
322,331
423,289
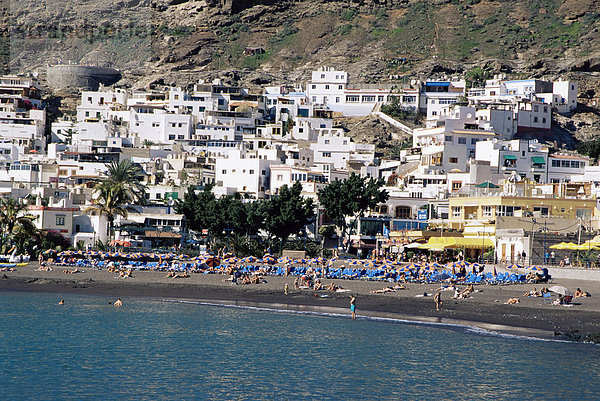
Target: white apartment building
x,y
560,95
242,172
24,129
333,146
18,93
307,128
437,95
529,159
312,178
98,105
327,88
156,124
563,168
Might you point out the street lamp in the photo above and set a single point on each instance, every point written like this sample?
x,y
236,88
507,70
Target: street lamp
x,y
227,230
533,223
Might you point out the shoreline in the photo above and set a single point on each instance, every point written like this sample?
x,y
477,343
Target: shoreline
x,y
485,310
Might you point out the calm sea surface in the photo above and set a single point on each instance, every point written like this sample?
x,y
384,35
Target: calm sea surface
x,y
153,350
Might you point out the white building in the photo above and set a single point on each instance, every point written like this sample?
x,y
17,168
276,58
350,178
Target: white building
x,y
529,159
437,95
157,125
562,168
333,146
327,88
242,172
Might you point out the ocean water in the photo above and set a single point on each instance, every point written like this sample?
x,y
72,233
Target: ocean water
x,y
156,350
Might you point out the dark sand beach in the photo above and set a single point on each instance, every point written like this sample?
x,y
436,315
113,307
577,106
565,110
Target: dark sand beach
x,y
485,309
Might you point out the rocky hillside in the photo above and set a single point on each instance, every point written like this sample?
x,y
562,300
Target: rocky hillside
x,y
373,39
179,41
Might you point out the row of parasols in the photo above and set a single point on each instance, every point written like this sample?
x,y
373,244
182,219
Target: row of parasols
x,y
586,246
213,260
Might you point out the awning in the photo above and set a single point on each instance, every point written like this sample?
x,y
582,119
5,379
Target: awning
x,y
510,157
538,160
487,184
457,242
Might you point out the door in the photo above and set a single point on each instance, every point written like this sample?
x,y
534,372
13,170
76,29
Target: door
x,y
512,253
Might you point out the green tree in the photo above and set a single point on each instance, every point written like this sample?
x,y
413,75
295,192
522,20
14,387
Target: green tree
x,y
287,213
199,208
351,198
111,201
129,177
477,76
13,214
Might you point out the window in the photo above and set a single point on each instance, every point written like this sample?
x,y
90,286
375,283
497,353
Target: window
x,y
545,109
368,99
462,141
380,98
337,99
535,119
542,209
326,141
555,163
326,154
314,86
454,160
536,109
474,141
432,101
251,172
584,214
456,211
171,137
352,98
565,163
456,185
322,76
340,87
506,210
544,120
60,220
486,211
448,138
326,86
223,171
574,164
263,172
279,177
434,113
403,212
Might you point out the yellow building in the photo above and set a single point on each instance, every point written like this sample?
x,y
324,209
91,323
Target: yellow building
x,y
466,210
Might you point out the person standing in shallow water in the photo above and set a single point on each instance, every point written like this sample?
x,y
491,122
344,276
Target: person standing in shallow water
x,y
353,306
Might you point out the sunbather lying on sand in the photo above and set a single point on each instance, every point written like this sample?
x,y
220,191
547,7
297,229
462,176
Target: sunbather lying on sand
x,y
582,294
383,290
512,301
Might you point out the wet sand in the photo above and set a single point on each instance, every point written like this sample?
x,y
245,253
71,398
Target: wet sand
x,y
485,309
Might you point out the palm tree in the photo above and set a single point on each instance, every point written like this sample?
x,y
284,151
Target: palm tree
x,y
130,177
110,202
13,213
25,235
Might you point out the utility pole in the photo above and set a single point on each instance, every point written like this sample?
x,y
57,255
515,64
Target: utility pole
x,y
533,222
